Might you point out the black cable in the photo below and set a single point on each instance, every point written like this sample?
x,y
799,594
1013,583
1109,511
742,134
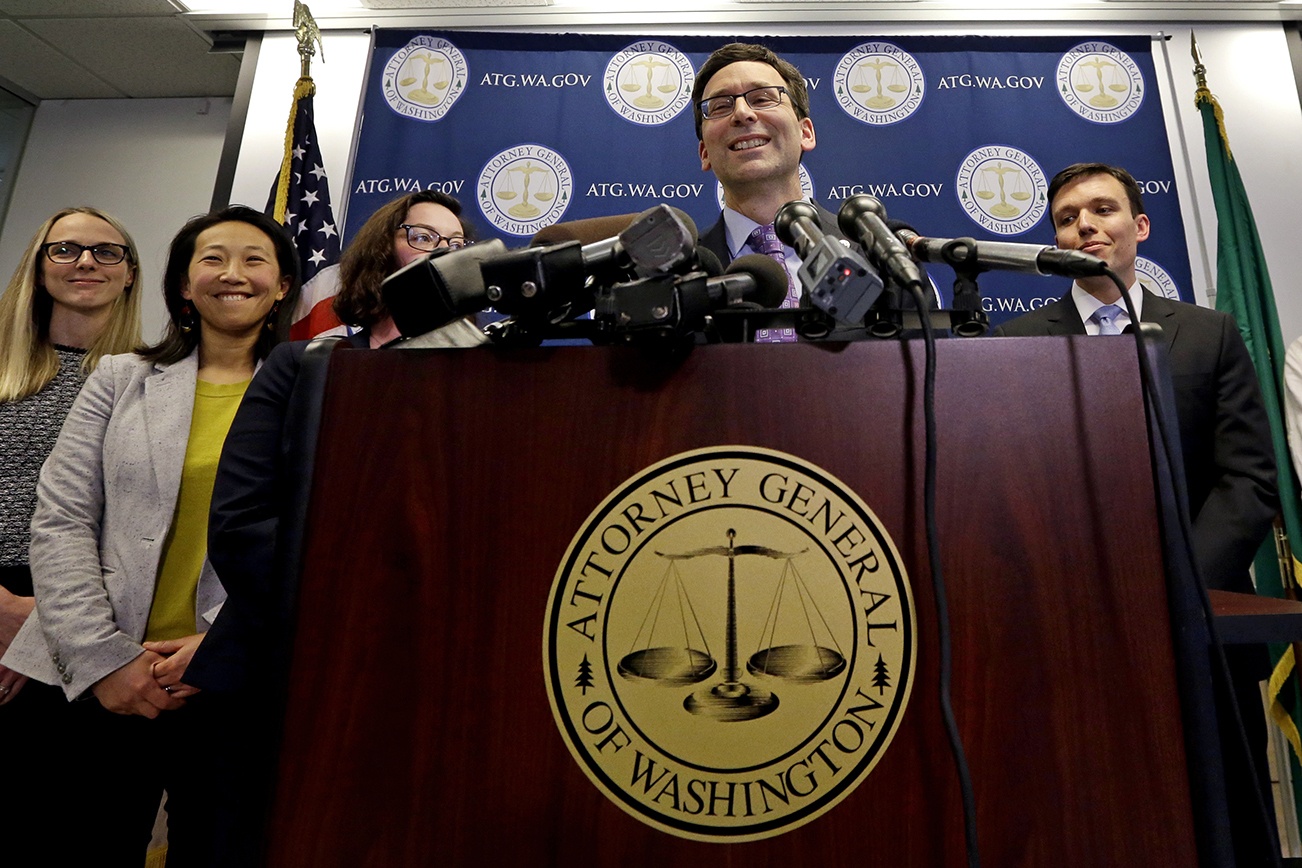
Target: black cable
x,y
938,581
1184,527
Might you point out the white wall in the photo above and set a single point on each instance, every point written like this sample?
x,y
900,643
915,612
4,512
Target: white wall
x,y
150,163
1249,71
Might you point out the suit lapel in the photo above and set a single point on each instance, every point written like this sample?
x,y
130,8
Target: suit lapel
x,y
716,241
169,405
1158,309
1063,318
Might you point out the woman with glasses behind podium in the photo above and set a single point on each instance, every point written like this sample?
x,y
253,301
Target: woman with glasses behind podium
x,y
396,235
72,300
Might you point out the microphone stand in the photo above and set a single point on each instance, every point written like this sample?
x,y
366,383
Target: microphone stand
x,y
968,319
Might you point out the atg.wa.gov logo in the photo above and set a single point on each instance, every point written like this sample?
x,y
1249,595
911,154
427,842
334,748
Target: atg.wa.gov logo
x,y
1100,82
730,644
648,82
424,78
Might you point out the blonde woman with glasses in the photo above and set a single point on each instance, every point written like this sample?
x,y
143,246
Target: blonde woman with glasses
x,y
72,300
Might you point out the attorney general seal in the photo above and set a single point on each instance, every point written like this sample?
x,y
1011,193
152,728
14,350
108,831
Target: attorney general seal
x,y
729,644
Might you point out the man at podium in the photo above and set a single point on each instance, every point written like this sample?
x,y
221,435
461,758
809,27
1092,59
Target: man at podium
x,y
1224,433
753,127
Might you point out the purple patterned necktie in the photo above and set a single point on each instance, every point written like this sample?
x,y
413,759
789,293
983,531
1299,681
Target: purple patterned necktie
x,y
765,240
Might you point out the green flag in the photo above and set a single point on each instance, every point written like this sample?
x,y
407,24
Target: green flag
x,y
1243,289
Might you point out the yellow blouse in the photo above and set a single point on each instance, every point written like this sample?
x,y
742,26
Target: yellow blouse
x,y
172,614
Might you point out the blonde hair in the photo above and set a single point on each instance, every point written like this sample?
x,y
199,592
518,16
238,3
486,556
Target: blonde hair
x,y
28,360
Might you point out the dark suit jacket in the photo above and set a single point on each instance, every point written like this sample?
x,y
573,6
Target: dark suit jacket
x,y
715,240
1224,432
250,493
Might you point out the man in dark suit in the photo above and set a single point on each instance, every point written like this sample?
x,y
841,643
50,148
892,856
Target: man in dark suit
x,y
1224,433
753,125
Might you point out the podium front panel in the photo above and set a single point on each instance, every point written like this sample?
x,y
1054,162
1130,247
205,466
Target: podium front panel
x,y
449,485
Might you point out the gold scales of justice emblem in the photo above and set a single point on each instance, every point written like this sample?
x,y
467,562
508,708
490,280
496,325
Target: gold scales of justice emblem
x,y
431,63
895,83
726,622
651,68
1105,80
524,172
1020,193
732,699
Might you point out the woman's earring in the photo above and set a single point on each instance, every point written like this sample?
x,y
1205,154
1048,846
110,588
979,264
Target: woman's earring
x,y
271,316
185,320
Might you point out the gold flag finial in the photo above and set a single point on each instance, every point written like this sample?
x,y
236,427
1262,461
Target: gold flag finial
x,y
1200,71
307,33
1203,94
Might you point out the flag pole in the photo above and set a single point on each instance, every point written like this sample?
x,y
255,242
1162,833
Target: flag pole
x,y
308,35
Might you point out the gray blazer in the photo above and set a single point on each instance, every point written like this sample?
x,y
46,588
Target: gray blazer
x,y
104,508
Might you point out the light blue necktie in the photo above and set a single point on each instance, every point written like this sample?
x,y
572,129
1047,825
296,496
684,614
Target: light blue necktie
x,y
1106,317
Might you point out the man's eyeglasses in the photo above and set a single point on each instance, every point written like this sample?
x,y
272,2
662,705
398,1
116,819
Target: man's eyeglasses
x,y
426,239
68,252
760,99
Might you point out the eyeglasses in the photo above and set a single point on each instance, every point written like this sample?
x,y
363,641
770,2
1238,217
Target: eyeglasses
x,y
424,238
760,99
68,252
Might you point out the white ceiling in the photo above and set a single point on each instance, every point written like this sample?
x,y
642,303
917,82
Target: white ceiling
x,y
88,49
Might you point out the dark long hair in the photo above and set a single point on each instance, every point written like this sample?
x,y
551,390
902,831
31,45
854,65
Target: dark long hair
x,y
177,343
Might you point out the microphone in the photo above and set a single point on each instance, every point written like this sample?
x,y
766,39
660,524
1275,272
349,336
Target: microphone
x,y
864,218
546,282
661,238
666,306
1002,255
709,263
435,290
837,279
754,279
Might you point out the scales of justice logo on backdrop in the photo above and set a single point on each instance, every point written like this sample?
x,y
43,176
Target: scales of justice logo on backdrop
x,y
729,644
525,188
424,79
1100,82
1002,188
648,83
879,83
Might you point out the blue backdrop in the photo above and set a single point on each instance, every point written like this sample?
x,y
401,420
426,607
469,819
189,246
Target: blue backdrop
x,y
955,135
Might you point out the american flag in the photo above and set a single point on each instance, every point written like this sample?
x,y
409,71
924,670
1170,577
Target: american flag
x,y
301,202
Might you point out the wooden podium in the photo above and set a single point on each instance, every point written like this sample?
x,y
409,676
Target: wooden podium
x,y
448,485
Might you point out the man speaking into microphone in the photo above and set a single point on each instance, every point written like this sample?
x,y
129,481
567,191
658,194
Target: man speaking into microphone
x,y
753,126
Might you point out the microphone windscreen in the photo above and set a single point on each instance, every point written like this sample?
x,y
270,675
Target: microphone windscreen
x,y
709,263
896,225
588,231
690,225
770,278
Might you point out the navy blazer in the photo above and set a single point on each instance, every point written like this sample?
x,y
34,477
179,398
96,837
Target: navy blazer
x,y
1229,458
